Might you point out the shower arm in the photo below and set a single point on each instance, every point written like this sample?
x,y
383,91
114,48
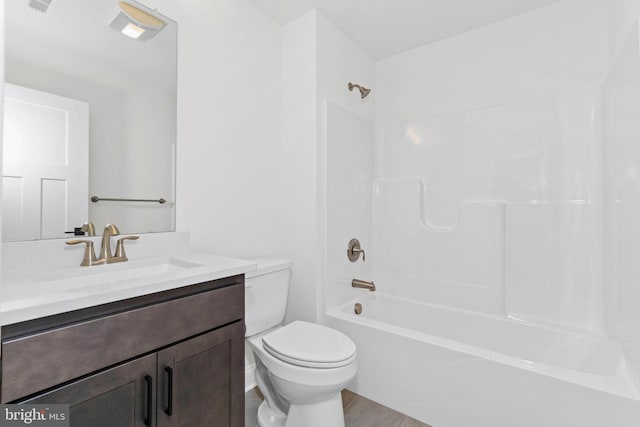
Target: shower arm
x,y
363,90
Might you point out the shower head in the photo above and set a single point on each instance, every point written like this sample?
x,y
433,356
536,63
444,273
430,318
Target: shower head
x,y
363,90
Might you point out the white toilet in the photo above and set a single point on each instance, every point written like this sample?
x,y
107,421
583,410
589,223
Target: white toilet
x,y
301,367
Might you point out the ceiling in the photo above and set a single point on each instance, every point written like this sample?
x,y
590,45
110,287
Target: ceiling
x,y
385,28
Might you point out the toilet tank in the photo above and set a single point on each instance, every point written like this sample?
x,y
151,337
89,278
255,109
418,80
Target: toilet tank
x,y
265,297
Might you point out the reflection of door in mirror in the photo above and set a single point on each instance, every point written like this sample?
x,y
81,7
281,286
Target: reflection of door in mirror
x,y
45,164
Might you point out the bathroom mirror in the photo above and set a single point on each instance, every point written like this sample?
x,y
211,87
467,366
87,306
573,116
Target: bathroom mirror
x,y
89,112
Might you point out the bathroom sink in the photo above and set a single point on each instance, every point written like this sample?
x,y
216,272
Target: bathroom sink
x,y
111,276
58,284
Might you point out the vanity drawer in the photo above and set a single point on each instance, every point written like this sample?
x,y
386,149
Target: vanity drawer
x,y
45,359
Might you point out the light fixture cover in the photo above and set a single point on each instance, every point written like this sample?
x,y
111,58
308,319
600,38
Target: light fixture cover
x,y
136,23
43,6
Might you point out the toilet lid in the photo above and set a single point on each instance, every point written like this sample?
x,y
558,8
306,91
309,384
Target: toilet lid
x,y
310,345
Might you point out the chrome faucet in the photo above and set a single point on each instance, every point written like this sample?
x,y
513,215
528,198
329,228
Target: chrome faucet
x,y
105,246
357,283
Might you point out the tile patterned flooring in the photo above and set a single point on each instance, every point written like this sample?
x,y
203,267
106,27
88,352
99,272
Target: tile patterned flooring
x,y
358,412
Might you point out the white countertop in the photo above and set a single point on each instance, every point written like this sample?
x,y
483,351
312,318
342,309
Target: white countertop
x,y
35,293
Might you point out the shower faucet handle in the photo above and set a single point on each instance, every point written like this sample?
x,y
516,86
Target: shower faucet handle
x,y
357,252
354,250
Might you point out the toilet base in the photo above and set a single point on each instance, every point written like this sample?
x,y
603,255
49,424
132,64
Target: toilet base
x,y
321,414
268,418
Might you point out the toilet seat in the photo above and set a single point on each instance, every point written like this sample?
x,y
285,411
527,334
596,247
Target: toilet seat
x,y
310,345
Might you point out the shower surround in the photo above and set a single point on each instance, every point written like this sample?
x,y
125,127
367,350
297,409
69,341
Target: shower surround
x,y
503,244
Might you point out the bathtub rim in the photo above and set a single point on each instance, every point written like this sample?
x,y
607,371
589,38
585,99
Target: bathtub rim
x,y
621,384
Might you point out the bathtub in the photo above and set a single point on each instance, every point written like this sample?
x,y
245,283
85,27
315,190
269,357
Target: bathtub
x,y
453,368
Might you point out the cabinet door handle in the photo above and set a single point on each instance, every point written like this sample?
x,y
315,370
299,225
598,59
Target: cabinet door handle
x,y
147,418
169,409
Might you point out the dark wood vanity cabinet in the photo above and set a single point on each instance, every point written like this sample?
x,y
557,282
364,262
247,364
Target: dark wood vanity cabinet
x,y
170,359
196,384
116,397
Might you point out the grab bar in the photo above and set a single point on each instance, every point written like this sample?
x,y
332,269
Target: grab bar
x,y
96,199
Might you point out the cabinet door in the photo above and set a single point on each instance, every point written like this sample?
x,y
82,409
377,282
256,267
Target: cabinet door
x,y
123,396
202,380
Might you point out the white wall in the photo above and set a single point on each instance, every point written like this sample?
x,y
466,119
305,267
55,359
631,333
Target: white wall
x,y
488,150
340,61
345,158
318,63
555,48
229,174
348,202
299,139
622,190
623,16
507,62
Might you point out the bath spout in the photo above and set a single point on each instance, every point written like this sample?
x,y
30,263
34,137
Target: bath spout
x,y
357,283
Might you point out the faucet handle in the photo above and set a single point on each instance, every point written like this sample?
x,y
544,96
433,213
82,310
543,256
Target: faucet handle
x,y
354,250
89,257
120,255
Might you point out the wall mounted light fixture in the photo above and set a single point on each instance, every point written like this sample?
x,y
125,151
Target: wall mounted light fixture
x,y
136,23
